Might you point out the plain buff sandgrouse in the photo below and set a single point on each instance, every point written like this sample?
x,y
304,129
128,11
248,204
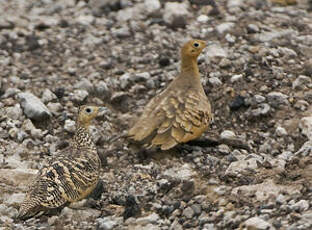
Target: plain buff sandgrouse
x,y
68,177
182,112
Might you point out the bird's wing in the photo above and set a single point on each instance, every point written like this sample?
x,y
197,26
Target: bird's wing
x,y
188,115
179,117
149,120
65,179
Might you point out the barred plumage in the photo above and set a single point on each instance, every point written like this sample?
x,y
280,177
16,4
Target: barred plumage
x,y
70,176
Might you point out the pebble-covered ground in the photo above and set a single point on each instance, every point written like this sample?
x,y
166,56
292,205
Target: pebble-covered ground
x,y
56,55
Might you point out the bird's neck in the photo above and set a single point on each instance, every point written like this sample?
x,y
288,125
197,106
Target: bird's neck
x,y
82,138
189,65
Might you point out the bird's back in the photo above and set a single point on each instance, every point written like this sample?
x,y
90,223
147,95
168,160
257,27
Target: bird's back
x,y
68,177
180,113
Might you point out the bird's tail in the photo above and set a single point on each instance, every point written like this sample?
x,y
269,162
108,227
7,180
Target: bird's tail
x,y
29,208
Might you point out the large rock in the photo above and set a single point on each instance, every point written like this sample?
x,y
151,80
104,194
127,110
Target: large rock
x,y
33,107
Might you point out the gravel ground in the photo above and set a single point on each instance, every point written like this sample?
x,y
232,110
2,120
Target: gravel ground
x,y
256,70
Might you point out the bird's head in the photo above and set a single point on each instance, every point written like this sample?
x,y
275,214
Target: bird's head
x,y
87,113
193,48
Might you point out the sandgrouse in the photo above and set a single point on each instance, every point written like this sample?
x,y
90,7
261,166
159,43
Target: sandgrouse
x,y
182,112
70,176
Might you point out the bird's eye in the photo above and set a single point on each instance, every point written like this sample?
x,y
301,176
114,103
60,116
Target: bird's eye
x,y
196,44
88,110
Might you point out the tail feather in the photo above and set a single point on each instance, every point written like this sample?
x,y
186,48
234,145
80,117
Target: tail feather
x,y
30,208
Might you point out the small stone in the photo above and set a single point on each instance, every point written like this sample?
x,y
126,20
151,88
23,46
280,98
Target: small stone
x,y
164,61
227,134
276,99
224,27
224,149
230,38
300,206
14,112
305,126
13,132
102,90
79,95
125,80
70,126
55,108
6,24
10,92
81,214
280,131
281,199
15,198
85,19
236,77
123,32
225,63
37,133
21,135
48,96
301,82
252,28
241,166
52,220
197,209
301,105
203,18
106,223
256,223
308,67
176,225
188,212
152,6
141,77
175,14
184,172
59,92
125,14
262,110
150,219
234,3
221,190
237,103
84,84
266,147
258,99
215,50
120,101
33,107
268,36
214,81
